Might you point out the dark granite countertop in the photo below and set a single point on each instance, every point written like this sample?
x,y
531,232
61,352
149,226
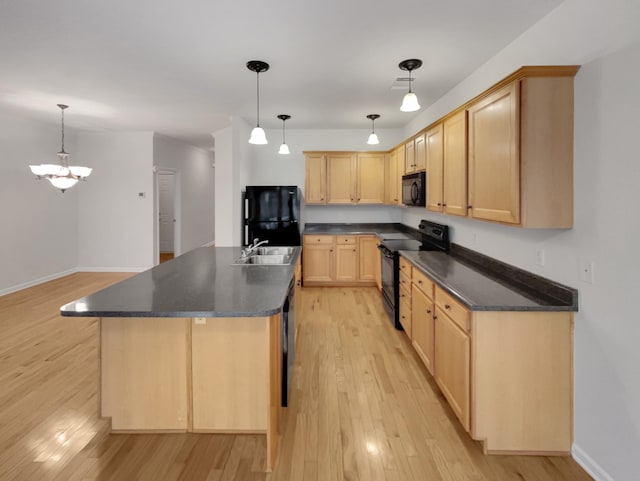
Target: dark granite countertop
x,y
378,229
488,291
200,283
477,281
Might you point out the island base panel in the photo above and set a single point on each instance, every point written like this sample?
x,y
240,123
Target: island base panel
x,y
143,360
523,380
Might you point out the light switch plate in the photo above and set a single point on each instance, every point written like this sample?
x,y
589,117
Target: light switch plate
x,y
586,271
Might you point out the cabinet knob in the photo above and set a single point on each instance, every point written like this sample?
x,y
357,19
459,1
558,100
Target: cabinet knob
x,y
447,306
354,250
395,200
435,317
439,204
444,205
428,311
419,282
469,207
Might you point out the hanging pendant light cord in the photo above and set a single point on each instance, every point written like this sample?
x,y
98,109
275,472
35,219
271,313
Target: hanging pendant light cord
x,y
62,151
258,97
283,141
409,81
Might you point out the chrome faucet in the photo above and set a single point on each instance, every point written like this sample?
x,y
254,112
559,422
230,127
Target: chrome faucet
x,y
247,251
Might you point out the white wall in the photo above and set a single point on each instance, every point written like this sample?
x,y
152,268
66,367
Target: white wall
x,y
115,225
196,190
39,236
603,36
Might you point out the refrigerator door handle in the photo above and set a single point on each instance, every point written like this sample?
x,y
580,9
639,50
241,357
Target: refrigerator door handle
x,y
246,235
246,208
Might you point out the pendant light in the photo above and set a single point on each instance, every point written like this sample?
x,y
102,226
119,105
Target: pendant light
x,y
373,138
284,148
410,101
257,134
62,175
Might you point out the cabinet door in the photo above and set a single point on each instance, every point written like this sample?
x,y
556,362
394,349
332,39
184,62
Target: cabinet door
x,y
317,262
391,182
452,351
406,316
434,148
455,164
402,154
341,172
422,327
369,253
315,191
347,263
420,153
409,157
494,160
370,179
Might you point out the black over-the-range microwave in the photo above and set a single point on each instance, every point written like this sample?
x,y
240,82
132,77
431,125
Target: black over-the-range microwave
x,y
414,188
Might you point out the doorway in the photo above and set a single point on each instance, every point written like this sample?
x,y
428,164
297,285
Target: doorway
x,y
167,215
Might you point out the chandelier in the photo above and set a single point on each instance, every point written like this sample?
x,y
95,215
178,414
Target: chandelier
x,y
62,175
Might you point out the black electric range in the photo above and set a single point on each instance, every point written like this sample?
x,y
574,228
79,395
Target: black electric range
x,y
433,237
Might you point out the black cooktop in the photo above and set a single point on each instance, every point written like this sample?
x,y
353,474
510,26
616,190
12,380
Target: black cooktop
x,y
395,245
434,237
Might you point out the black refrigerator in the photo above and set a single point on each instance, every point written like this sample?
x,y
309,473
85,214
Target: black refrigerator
x,y
272,213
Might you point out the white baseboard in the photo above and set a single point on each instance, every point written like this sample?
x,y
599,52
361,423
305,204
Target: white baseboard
x,y
209,244
35,282
589,465
111,269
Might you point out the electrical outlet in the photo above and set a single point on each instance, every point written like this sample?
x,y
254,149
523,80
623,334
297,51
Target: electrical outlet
x,y
586,271
540,257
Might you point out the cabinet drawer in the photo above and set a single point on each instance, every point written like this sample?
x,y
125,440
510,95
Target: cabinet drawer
x,y
405,267
456,311
318,239
405,316
405,281
345,239
422,282
405,293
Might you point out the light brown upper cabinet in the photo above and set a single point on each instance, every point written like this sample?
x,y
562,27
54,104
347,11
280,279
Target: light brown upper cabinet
x,y
434,151
409,157
393,177
494,163
521,150
315,179
420,153
341,176
454,200
415,155
370,178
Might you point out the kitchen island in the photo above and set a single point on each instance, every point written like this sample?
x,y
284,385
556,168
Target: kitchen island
x,y
193,345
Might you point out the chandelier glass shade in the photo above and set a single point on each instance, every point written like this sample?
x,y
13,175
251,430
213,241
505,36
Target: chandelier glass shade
x,y
62,175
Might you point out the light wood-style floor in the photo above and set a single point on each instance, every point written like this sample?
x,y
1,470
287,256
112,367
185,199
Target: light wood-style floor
x,y
362,406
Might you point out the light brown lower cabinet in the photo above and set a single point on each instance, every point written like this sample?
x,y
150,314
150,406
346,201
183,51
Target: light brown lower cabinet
x,y
422,334
507,375
342,260
451,364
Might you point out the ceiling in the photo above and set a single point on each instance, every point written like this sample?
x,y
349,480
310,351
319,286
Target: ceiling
x,y
179,68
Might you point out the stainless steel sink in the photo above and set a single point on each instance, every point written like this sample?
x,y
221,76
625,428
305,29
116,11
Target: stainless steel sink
x,y
274,250
264,259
